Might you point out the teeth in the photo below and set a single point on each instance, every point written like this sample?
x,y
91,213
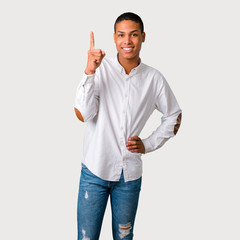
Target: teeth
x,y
127,48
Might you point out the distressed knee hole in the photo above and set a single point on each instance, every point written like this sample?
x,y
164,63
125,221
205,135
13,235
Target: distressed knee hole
x,y
84,235
86,195
124,229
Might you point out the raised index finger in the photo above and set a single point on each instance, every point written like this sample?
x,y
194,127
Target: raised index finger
x,y
91,41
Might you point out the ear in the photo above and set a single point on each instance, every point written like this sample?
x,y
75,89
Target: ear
x,y
114,37
143,36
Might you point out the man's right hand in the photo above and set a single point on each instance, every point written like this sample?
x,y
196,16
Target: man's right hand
x,y
95,57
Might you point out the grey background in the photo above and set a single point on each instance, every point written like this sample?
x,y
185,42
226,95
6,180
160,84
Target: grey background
x,y
190,186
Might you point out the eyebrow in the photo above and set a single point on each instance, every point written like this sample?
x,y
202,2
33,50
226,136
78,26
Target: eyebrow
x,y
130,32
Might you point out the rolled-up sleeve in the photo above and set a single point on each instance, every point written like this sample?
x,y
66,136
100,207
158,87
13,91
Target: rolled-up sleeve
x,y
87,97
167,104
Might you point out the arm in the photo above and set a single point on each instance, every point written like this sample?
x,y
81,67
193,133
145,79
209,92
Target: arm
x,y
167,104
86,102
87,98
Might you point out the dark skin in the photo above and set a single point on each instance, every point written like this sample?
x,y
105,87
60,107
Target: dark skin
x,y
135,144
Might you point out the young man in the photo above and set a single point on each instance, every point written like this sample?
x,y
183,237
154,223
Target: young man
x,y
116,96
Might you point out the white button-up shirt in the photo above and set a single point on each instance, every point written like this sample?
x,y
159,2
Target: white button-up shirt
x,y
116,106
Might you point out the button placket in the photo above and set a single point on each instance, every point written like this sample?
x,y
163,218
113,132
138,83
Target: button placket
x,y
126,98
124,113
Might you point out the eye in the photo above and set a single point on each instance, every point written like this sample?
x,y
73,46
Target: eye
x,y
134,34
120,35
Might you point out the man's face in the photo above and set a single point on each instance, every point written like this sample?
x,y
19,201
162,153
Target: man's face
x,y
128,39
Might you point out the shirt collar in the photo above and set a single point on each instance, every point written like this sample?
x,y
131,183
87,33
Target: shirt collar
x,y
122,70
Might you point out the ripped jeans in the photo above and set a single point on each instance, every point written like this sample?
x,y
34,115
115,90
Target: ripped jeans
x,y
92,201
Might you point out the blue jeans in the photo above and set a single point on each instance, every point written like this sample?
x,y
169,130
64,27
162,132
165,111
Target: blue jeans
x,y
92,201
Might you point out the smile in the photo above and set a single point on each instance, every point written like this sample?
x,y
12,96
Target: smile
x,y
129,49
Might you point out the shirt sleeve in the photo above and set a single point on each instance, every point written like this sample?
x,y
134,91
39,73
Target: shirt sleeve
x,y
87,97
167,104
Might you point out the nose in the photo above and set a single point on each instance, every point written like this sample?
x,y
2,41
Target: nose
x,y
127,40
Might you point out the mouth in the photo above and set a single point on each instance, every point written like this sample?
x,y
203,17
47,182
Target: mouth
x,y
127,49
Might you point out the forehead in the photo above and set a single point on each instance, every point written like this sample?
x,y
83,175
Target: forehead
x,y
127,26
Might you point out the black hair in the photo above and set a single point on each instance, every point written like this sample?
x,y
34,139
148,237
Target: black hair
x,y
129,16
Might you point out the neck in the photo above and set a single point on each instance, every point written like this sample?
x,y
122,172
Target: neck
x,y
129,64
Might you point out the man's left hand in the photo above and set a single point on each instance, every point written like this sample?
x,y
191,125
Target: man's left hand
x,y
135,144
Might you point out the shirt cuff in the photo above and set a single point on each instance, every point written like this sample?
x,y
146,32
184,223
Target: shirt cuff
x,y
87,79
147,145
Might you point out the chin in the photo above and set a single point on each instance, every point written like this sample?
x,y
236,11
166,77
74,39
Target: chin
x,y
128,56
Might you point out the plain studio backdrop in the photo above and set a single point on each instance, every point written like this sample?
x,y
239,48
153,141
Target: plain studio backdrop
x,y
190,186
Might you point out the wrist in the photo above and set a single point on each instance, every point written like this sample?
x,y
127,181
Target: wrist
x,y
89,72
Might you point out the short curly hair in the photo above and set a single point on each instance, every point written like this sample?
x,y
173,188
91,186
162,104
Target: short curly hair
x,y
129,16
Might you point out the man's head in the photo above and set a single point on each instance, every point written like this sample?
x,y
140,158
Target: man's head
x,y
129,36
